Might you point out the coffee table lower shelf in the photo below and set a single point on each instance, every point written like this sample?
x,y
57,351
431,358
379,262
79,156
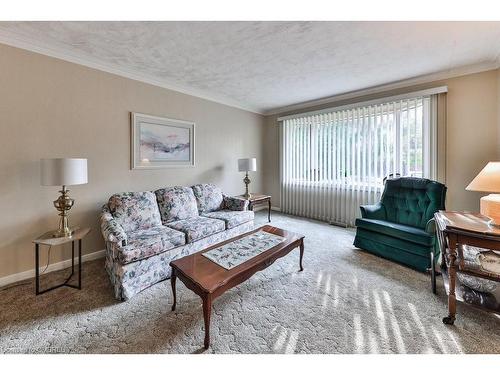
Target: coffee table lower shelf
x,y
209,280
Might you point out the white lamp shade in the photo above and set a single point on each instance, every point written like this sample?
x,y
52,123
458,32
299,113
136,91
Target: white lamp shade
x,y
58,172
488,180
247,165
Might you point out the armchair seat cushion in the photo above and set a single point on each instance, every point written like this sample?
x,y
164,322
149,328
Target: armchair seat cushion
x,y
401,231
231,218
197,228
148,242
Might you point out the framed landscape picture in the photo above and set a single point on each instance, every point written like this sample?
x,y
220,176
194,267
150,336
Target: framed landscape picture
x,y
159,142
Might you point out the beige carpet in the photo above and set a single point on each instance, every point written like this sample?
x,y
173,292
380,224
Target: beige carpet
x,y
345,301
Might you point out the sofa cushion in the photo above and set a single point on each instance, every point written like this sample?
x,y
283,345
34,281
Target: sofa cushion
x,y
176,203
231,218
401,231
209,197
235,203
197,228
135,211
148,242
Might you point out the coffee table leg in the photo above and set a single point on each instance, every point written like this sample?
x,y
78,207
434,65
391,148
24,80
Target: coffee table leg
x,y
207,311
173,278
301,255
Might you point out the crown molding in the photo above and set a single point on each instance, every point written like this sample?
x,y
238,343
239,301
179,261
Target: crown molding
x,y
419,80
58,53
366,103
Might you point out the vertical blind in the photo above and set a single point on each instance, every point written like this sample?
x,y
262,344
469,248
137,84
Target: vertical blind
x,y
333,162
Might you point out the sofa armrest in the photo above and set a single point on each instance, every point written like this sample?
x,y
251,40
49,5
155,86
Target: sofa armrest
x,y
373,211
110,229
235,204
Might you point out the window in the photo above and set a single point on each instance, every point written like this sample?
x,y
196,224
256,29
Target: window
x,y
347,153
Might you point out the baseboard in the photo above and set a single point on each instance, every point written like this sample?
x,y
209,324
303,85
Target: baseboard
x,y
6,280
261,208
265,208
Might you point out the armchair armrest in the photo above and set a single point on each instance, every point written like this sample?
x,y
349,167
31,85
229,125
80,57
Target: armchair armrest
x,y
110,229
430,227
235,204
373,211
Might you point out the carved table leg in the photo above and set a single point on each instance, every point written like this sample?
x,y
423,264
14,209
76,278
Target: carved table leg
x,y
172,282
301,254
269,211
452,273
207,310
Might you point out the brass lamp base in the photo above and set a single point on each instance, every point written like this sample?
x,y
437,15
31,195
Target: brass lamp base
x,y
246,181
65,232
63,204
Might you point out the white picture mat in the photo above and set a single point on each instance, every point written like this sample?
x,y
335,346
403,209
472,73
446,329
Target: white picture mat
x,y
141,124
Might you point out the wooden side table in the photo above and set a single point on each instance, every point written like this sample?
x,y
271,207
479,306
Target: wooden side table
x,y
456,229
259,199
47,240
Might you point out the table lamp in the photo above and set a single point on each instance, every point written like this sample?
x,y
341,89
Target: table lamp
x,y
63,172
247,165
488,180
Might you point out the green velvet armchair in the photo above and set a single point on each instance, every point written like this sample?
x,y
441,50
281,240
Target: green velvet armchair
x,y
401,226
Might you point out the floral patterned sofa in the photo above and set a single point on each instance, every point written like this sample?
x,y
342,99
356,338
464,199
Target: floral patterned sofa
x,y
144,231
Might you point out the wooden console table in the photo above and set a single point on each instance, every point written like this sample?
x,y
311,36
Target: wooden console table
x,y
456,229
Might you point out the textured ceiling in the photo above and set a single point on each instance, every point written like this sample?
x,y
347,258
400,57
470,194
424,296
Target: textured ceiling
x,y
265,65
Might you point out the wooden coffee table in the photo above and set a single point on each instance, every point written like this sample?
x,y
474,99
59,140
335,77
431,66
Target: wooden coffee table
x,y
209,280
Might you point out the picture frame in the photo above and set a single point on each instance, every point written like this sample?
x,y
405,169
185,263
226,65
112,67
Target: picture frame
x,y
161,142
